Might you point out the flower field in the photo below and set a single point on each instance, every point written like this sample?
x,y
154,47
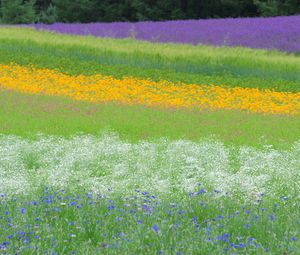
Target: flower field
x,y
281,33
162,146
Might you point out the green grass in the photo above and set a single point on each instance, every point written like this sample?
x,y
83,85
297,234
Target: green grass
x,y
26,115
186,63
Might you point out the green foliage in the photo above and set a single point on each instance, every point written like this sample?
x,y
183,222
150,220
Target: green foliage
x,y
18,11
74,10
277,7
50,11
48,16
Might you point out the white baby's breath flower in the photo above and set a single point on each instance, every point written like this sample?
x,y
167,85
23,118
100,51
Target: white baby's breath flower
x,y
105,163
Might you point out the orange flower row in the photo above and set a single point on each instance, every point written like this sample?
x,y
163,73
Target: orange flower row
x,y
129,90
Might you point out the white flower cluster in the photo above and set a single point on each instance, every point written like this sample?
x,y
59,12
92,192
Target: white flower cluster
x,y
99,164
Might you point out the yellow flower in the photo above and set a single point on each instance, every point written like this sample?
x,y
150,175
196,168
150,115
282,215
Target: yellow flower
x,y
130,90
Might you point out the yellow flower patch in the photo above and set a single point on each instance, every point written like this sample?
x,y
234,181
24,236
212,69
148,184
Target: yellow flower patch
x,y
130,90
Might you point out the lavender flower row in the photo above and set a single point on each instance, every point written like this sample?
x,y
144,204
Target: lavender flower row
x,y
280,33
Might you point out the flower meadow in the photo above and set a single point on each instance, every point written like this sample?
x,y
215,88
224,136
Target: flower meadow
x,y
151,146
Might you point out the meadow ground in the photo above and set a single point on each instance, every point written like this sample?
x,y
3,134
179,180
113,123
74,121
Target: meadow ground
x,y
114,146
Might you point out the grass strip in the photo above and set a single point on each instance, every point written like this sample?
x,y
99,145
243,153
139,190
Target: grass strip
x,y
26,115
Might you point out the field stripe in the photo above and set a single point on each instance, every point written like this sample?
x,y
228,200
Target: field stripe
x,y
162,166
131,91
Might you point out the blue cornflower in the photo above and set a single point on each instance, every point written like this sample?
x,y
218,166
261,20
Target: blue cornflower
x,y
5,243
34,202
194,219
225,250
38,218
236,213
201,192
155,228
10,236
22,210
146,208
110,207
180,212
247,226
271,217
145,193
241,245
26,239
139,221
223,238
293,238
